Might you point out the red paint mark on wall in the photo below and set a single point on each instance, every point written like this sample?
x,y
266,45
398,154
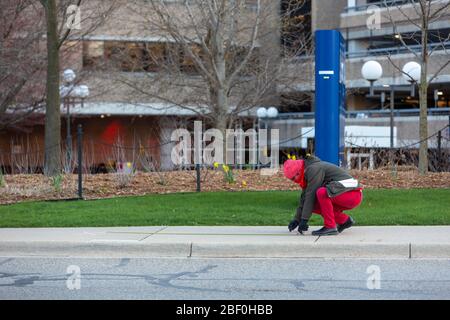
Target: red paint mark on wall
x,y
111,133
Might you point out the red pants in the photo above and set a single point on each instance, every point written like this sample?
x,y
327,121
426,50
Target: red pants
x,y
331,208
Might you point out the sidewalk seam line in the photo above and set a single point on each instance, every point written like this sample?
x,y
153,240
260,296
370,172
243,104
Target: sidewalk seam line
x,y
151,234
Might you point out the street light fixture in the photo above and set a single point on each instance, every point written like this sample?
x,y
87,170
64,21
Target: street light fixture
x,y
69,76
411,73
263,113
272,112
70,93
372,71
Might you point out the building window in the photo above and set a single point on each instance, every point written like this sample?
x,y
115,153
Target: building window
x,y
188,63
296,102
138,56
155,57
93,54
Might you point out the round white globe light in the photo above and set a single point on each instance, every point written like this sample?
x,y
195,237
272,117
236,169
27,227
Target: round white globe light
x,y
261,112
69,75
64,91
75,92
372,70
411,71
272,112
84,91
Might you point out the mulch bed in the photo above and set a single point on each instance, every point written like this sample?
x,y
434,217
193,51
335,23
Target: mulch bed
x,y
18,188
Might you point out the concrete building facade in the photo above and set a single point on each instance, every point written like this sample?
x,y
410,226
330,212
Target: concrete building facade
x,y
115,111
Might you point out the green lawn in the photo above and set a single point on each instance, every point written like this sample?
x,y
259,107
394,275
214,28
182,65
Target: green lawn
x,y
379,207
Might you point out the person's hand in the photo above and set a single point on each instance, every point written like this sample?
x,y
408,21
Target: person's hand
x,y
303,225
292,225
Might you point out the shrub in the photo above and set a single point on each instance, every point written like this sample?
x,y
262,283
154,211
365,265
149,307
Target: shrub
x,y
57,182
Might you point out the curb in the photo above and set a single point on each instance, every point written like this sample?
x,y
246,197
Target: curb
x,y
111,249
305,250
186,249
441,251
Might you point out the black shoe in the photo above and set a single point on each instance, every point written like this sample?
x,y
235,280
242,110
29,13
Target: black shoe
x,y
347,224
325,232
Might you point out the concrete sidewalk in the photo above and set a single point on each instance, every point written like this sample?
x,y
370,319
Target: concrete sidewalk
x,y
357,242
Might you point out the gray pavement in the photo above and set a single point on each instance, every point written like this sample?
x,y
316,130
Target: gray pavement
x,y
223,279
233,242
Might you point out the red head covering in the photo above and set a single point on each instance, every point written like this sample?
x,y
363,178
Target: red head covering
x,y
295,168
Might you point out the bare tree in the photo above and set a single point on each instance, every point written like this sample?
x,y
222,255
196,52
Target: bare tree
x,y
422,14
59,28
22,63
25,26
216,59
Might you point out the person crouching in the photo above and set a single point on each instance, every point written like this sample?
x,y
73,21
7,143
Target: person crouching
x,y
326,190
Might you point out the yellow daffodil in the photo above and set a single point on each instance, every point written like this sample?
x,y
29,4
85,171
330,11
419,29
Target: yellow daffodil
x,y
216,164
289,156
226,168
294,157
129,164
244,183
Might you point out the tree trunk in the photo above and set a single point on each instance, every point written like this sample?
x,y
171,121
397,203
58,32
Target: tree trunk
x,y
221,117
220,92
423,130
423,91
52,161
423,127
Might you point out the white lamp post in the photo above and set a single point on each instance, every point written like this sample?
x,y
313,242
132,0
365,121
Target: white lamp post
x,y
411,73
69,76
84,91
262,114
372,71
69,94
272,112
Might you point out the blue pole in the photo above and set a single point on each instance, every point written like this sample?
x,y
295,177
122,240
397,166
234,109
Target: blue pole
x,y
330,96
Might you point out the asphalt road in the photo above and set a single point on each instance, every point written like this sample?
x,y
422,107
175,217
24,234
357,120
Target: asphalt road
x,y
224,279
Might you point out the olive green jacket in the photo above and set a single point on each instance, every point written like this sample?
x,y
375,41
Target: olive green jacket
x,y
322,174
